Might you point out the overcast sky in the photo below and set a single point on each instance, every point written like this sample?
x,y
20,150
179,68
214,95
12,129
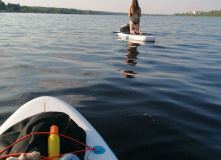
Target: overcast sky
x,y
147,6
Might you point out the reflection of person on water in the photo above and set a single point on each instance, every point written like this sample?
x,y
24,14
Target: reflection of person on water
x,y
131,62
129,74
133,53
135,14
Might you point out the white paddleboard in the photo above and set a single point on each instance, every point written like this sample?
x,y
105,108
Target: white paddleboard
x,y
137,37
51,104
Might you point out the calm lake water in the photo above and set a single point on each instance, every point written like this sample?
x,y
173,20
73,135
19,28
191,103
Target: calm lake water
x,y
149,101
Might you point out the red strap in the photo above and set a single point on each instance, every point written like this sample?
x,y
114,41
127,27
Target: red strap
x,y
46,158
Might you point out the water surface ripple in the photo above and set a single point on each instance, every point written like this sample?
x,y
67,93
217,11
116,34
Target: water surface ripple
x,y
148,100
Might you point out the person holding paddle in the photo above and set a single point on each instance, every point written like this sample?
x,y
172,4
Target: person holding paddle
x,y
135,14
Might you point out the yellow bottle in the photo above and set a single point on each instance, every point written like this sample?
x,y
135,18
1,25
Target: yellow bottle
x,y
53,143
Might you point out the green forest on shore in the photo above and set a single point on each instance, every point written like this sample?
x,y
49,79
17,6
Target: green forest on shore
x,y
214,13
27,9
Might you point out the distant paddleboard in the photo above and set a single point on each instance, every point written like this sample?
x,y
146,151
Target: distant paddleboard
x,y
145,37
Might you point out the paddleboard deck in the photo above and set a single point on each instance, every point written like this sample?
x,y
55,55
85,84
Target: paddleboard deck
x,y
51,104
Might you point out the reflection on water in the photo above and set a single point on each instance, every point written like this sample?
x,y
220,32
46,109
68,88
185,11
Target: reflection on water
x,y
132,50
131,59
129,74
131,62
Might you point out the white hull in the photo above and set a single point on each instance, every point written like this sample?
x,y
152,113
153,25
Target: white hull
x,y
137,37
50,104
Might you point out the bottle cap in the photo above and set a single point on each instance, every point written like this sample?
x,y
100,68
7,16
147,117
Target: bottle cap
x,y
53,129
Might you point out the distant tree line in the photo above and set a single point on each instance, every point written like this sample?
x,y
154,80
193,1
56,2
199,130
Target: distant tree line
x,y
26,9
2,6
214,13
10,7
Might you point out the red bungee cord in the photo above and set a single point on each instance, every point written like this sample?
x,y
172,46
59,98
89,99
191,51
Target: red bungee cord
x,y
43,157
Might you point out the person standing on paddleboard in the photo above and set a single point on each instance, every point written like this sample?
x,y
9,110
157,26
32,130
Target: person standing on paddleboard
x,y
135,14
